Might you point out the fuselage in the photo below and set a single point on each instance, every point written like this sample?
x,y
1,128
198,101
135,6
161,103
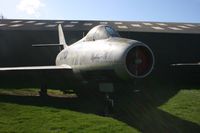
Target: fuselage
x,y
102,57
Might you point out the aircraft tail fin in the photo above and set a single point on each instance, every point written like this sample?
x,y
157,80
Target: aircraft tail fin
x,y
61,36
62,44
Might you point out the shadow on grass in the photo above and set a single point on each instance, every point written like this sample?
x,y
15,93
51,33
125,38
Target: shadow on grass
x,y
140,110
137,109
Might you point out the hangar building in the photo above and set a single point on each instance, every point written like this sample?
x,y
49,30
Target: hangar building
x,y
170,42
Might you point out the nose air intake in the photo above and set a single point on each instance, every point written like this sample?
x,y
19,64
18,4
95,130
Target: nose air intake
x,y
139,61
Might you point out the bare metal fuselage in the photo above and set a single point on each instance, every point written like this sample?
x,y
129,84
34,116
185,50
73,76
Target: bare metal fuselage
x,y
101,55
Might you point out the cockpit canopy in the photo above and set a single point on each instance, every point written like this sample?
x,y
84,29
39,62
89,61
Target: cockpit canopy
x,y
101,32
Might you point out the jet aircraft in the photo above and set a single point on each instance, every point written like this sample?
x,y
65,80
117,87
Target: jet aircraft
x,y
101,58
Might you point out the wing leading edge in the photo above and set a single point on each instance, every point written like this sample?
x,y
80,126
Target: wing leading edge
x,y
64,67
186,64
33,76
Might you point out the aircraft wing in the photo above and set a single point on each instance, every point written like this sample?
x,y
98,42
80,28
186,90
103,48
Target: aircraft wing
x,y
187,72
34,76
32,68
186,64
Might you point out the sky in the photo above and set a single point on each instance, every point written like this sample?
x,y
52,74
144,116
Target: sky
x,y
114,10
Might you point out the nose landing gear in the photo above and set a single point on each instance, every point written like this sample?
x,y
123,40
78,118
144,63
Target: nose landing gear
x,y
109,105
107,89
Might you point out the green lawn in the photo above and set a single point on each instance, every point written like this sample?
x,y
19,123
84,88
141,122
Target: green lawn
x,y
170,111
186,105
41,119
21,118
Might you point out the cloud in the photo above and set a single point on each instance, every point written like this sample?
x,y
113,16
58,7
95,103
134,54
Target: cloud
x,y
31,7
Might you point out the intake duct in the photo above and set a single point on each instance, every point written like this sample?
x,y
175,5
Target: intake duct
x,y
139,61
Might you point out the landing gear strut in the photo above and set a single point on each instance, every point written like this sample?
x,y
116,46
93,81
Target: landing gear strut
x,y
43,91
109,105
107,89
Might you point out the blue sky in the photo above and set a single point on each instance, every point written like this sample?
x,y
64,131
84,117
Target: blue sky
x,y
120,10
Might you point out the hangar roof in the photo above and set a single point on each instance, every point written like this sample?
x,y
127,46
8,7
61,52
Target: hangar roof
x,y
76,25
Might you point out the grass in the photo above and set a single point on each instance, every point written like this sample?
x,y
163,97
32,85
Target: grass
x,y
166,110
27,118
20,118
186,105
